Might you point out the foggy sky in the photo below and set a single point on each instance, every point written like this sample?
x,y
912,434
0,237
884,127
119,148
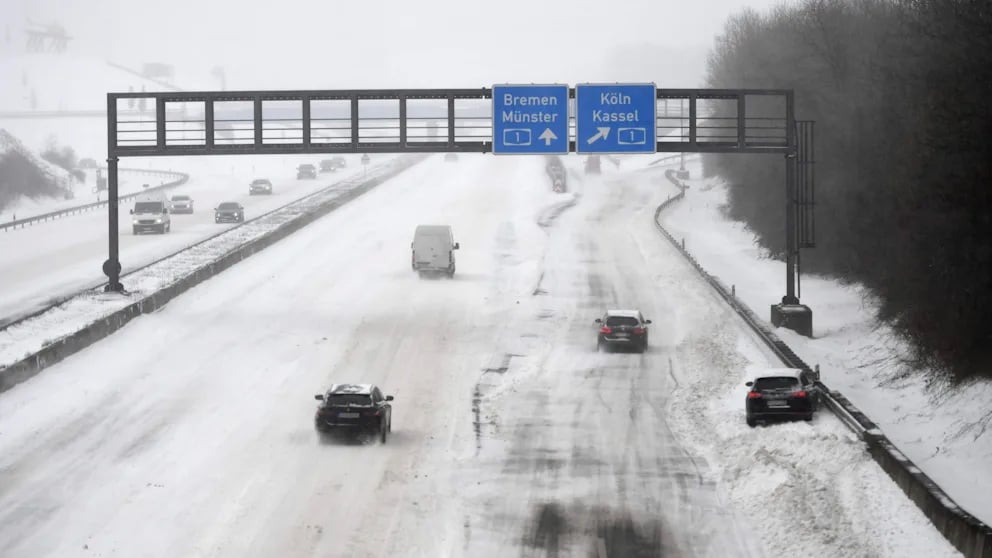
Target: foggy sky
x,y
284,44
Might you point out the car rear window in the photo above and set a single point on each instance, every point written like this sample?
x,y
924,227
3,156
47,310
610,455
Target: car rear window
x,y
349,399
228,205
777,382
621,321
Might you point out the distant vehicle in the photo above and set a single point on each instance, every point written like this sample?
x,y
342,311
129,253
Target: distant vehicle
x,y
781,393
260,186
622,328
556,171
355,409
339,162
181,203
306,171
592,164
151,216
327,165
450,156
433,250
229,212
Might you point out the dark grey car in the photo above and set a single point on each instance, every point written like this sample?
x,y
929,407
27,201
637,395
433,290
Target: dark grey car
x,y
622,329
782,393
354,409
260,186
229,212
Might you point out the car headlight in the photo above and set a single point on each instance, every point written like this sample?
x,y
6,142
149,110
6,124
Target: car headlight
x,y
134,221
158,219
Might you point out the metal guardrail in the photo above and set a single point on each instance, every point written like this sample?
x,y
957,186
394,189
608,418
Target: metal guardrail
x,y
13,321
180,178
966,532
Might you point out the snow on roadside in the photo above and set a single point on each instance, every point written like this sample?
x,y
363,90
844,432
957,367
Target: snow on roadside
x,y
946,430
816,476
22,339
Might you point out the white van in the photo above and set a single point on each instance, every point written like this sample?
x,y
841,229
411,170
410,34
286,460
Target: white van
x,y
433,250
151,215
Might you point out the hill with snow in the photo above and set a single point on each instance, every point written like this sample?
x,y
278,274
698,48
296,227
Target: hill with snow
x,y
23,173
58,99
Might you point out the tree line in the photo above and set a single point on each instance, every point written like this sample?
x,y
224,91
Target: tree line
x,y
901,92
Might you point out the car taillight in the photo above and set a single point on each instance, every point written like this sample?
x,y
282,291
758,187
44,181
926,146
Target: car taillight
x,y
605,329
371,413
638,331
799,393
754,395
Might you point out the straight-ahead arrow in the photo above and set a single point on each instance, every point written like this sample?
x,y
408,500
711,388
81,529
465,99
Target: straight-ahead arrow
x,y
548,136
601,133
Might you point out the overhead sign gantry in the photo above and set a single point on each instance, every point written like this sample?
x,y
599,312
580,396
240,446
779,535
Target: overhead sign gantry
x,y
519,119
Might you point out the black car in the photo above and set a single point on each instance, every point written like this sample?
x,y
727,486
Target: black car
x,y
339,162
782,393
229,212
622,328
327,165
306,171
354,409
260,186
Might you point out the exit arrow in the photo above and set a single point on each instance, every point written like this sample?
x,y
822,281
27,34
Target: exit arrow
x,y
601,133
548,136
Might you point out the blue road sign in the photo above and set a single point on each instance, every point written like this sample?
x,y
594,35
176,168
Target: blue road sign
x,y
615,118
530,119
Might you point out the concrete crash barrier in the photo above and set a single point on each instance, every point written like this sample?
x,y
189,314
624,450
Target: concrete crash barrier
x,y
64,347
963,530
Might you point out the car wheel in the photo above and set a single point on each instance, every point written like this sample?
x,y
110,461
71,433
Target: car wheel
x,y
384,430
134,230
752,422
808,417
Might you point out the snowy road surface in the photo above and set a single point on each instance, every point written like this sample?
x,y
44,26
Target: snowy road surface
x,y
58,258
189,433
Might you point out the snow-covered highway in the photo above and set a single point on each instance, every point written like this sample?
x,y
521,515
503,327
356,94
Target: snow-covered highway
x,y
189,432
54,259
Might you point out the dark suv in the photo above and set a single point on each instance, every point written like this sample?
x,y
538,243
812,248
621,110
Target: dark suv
x,y
356,409
782,393
622,328
306,171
